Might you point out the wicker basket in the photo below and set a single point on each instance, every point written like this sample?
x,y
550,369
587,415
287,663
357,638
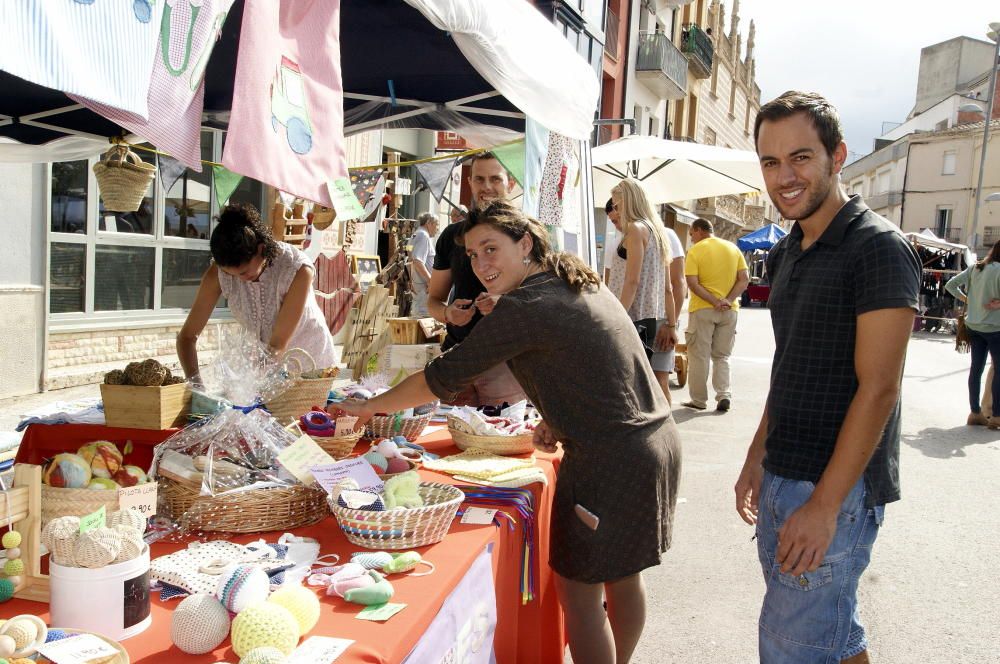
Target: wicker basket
x,y
464,438
303,394
123,179
58,502
387,426
339,447
250,511
406,528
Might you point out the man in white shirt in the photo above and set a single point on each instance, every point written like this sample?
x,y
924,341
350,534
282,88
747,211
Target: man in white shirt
x,y
422,261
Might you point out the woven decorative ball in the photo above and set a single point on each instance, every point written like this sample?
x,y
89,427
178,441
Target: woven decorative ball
x,y
59,537
97,548
23,632
114,377
132,544
264,624
7,646
146,373
11,539
301,602
241,586
6,589
266,655
13,567
130,518
199,624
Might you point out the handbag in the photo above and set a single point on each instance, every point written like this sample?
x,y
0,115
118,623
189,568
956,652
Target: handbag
x,y
647,334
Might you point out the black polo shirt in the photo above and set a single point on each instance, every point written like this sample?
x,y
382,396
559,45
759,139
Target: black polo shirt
x,y
466,285
861,263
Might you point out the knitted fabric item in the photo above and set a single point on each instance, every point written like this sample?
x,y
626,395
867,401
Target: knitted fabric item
x,y
97,548
11,539
264,655
264,624
180,568
170,591
242,586
301,602
371,560
478,463
199,624
513,479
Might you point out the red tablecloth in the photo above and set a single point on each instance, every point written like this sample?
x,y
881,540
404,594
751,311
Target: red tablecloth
x,y
531,632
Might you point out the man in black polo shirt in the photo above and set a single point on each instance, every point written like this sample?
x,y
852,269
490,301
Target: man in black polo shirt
x,y
456,297
825,458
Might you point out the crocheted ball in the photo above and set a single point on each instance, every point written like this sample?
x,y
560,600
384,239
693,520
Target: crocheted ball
x,y
114,377
102,484
131,518
377,460
241,586
12,553
11,538
97,548
67,471
199,624
264,655
397,465
103,456
130,476
301,602
387,448
264,624
6,589
14,567
23,632
7,646
132,544
55,635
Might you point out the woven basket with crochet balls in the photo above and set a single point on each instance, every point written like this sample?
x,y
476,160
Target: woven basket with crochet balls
x,y
264,624
265,655
199,624
301,602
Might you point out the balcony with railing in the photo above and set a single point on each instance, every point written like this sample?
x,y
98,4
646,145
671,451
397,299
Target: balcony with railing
x,y
697,46
611,36
953,234
661,66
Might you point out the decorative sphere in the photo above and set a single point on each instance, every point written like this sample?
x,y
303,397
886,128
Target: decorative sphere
x,y
301,602
13,553
266,655
103,456
55,635
377,460
23,632
264,624
16,580
102,484
7,646
13,567
398,465
241,586
199,624
11,538
67,471
6,589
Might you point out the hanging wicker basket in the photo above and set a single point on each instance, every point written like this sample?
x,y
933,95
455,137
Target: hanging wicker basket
x,y
123,179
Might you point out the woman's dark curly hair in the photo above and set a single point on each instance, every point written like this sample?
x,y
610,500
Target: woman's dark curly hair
x,y
238,233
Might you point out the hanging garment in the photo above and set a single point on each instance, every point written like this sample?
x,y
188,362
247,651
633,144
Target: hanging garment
x,y
287,122
558,177
99,50
186,36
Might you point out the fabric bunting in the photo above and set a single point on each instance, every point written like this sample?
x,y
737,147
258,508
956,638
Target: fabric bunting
x,y
225,183
171,171
286,127
512,158
436,175
187,32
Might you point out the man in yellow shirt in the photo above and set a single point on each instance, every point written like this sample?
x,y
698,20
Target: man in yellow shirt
x,y
717,275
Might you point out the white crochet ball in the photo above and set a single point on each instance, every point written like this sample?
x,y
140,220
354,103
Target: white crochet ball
x,y
7,645
199,624
265,655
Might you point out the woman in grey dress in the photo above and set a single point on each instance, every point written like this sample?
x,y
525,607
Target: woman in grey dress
x,y
574,350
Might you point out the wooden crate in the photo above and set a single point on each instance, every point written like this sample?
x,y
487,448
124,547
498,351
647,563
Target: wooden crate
x,y
135,407
406,331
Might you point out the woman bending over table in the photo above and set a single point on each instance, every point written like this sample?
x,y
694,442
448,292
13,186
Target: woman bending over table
x,y
268,285
574,350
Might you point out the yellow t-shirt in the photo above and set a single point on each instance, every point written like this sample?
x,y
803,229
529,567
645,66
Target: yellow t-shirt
x,y
715,262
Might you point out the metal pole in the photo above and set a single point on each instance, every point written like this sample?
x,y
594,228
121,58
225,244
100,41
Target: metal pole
x,y
974,236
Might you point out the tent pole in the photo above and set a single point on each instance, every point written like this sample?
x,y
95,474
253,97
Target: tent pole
x,y
398,116
486,111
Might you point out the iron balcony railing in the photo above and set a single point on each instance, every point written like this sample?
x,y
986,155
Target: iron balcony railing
x,y
657,53
699,45
611,35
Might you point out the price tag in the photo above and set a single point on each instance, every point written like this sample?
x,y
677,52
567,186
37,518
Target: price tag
x,y
93,520
319,650
380,612
78,649
344,201
478,515
345,423
302,455
331,474
141,497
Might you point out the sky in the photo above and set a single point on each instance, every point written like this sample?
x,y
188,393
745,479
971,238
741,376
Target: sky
x,y
862,55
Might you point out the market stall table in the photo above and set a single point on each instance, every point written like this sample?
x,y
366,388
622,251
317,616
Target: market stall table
x,y
531,631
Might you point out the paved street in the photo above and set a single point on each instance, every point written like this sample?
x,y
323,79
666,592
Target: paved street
x,y
930,593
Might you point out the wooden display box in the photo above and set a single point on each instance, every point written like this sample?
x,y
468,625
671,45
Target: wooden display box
x,y
412,330
134,407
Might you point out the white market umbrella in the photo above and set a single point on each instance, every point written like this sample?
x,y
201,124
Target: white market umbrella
x,y
672,171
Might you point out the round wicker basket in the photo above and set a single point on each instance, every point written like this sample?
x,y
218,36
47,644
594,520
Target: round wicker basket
x,y
339,447
387,426
462,436
303,394
58,502
406,528
250,511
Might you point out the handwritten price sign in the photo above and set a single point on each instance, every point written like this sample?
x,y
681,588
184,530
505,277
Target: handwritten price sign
x,y
141,497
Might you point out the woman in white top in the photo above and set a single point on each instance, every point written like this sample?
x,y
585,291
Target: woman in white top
x,y
640,272
268,286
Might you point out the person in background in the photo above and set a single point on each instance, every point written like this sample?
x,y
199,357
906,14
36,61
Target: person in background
x,y
610,238
979,287
269,288
458,213
717,275
824,460
422,260
456,296
639,273
612,513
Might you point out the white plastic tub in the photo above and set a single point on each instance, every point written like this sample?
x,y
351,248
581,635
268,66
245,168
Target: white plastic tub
x,y
112,600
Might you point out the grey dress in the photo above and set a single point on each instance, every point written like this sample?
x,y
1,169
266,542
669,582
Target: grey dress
x,y
580,361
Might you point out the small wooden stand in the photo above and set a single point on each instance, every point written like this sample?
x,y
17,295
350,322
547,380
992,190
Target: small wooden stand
x,y
367,329
25,512
290,229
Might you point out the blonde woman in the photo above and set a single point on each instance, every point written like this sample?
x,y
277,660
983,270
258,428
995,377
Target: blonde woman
x,y
640,273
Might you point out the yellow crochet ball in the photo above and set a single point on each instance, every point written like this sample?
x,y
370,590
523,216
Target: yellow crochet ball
x,y
265,655
11,538
301,602
14,567
264,624
23,632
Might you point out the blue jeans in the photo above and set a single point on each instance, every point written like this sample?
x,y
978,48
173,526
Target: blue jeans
x,y
981,343
813,618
